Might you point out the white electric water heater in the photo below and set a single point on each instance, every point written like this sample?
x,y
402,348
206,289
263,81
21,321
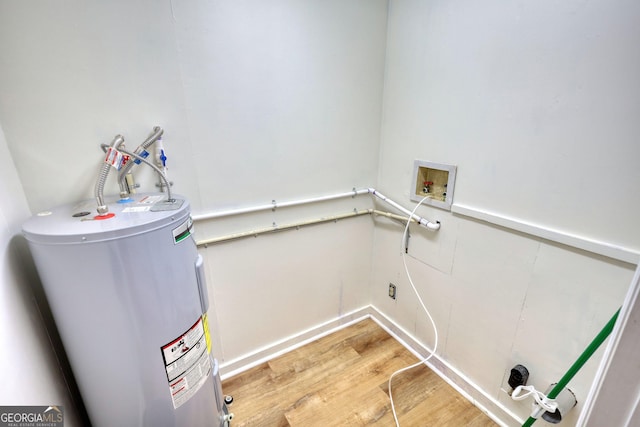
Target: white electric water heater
x,y
128,294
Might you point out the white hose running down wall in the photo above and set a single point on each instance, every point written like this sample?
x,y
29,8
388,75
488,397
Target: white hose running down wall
x,y
430,225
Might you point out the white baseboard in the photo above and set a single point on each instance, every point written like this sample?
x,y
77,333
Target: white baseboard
x,y
243,363
467,388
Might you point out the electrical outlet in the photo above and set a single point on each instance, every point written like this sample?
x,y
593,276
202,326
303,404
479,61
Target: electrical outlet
x,y
392,291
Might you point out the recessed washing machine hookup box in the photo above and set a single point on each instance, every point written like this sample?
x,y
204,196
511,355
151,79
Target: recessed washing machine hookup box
x,y
433,182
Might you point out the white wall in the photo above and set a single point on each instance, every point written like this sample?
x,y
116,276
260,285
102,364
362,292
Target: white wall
x,y
282,100
31,374
259,101
270,288
534,104
538,91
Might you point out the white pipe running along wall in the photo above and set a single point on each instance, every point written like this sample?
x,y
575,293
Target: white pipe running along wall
x,y
274,205
334,218
420,220
433,226
275,228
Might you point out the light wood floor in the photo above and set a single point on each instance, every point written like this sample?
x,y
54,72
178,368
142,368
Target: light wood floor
x,y
342,380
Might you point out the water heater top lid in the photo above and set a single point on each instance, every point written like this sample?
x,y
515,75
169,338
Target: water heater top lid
x,y
79,222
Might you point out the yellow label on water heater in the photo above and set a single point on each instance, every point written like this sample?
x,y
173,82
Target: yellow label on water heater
x,y
207,336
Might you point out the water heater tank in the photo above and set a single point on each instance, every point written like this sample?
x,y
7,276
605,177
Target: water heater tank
x,y
129,299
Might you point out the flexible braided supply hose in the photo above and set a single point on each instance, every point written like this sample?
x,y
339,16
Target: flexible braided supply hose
x,y
157,133
102,177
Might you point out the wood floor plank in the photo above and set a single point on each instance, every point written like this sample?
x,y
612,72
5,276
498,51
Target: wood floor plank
x,y
342,380
365,407
274,391
351,389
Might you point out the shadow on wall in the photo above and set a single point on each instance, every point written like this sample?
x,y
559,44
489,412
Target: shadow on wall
x,y
33,296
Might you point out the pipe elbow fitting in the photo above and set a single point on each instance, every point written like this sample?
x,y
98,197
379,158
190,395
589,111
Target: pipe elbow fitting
x,y
433,226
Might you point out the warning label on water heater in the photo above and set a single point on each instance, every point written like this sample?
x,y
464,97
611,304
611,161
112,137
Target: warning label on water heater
x,y
187,363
